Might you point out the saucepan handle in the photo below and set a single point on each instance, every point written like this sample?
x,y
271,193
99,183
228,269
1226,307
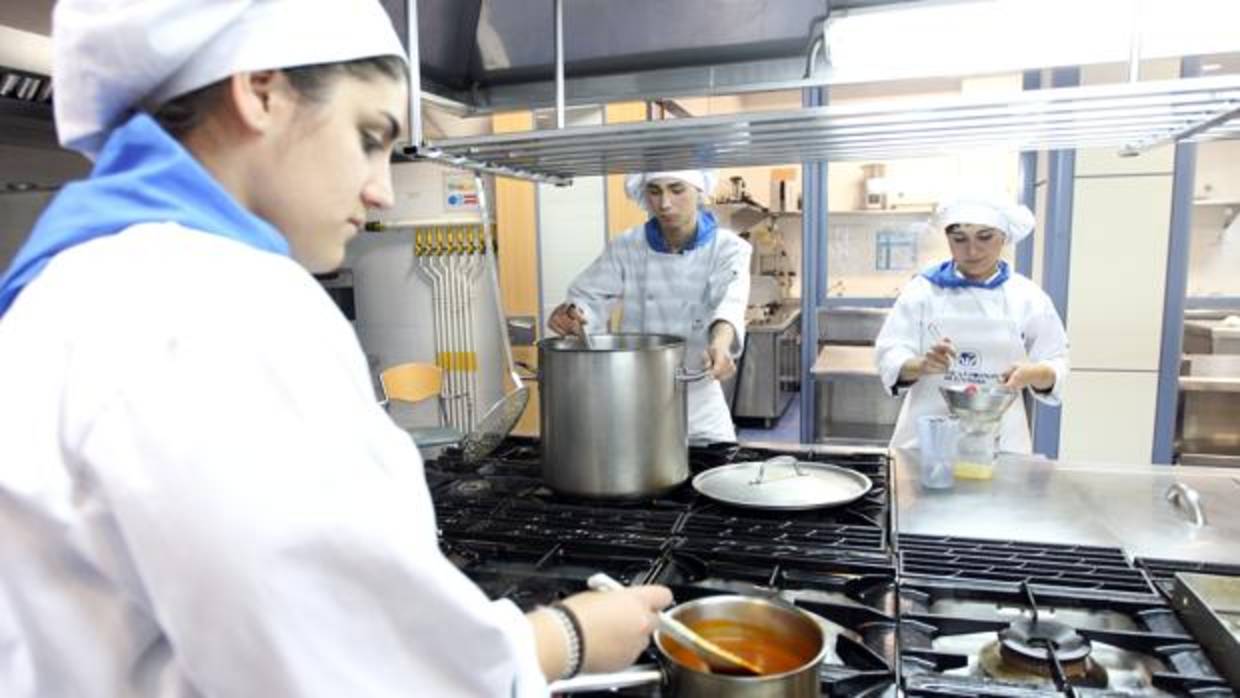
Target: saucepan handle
x,y
639,675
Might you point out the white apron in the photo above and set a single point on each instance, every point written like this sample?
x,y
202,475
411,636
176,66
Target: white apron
x,y
709,419
986,347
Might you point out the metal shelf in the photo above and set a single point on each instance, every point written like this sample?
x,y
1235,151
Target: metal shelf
x,y
1132,117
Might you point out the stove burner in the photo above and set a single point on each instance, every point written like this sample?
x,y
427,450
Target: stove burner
x,y
1028,639
1024,648
994,664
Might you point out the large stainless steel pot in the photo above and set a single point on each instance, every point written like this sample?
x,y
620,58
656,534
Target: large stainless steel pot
x,y
613,414
788,641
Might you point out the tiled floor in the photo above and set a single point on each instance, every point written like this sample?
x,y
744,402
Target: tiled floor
x,y
786,430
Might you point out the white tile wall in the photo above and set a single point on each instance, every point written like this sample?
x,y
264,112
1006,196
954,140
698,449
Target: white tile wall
x,y
572,230
572,227
395,319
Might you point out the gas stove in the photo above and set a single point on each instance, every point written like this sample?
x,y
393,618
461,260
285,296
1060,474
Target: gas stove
x,y
518,540
928,616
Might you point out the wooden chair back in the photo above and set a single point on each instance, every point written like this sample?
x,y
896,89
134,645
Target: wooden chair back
x,y
411,382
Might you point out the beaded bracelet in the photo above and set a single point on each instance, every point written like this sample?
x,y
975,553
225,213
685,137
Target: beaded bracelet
x,y
576,641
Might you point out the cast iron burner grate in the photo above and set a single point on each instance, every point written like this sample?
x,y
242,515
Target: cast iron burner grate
x,y
957,640
1079,567
1162,572
503,498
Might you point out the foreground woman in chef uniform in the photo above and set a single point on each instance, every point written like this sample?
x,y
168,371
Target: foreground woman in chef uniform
x,y
973,320
198,493
680,274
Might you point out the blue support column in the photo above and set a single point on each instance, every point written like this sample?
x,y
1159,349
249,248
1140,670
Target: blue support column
x,y
813,269
1175,290
824,222
1056,258
1031,80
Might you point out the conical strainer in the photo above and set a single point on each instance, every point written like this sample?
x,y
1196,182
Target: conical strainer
x,y
502,416
978,407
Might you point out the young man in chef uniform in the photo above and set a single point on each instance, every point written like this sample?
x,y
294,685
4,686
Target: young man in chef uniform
x,y
680,273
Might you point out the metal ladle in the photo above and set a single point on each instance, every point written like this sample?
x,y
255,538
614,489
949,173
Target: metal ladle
x,y
717,658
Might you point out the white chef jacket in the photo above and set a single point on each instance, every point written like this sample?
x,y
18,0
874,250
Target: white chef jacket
x,y
910,330
200,497
680,294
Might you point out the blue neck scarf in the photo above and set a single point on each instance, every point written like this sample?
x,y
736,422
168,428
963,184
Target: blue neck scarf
x,y
706,226
142,175
945,276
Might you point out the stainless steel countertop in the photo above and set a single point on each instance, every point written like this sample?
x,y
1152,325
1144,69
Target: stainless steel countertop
x,y
1039,500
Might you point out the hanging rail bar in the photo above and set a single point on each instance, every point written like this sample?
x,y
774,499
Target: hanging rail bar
x,y
559,63
1232,111
1135,116
465,163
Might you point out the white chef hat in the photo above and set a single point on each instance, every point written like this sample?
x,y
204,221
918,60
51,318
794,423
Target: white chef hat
x,y
111,57
635,184
989,209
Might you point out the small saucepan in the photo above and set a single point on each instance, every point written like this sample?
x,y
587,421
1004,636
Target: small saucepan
x,y
786,642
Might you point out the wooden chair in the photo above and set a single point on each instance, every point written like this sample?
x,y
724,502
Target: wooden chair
x,y
414,382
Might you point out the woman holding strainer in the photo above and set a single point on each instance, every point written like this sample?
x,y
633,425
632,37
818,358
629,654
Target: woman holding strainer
x,y
972,320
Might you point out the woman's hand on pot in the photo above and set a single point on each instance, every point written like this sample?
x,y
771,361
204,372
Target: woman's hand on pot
x,y
567,319
718,357
1025,375
617,624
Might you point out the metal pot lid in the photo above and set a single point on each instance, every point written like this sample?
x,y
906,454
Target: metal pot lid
x,y
783,482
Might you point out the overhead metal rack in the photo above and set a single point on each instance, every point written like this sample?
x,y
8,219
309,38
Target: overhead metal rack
x,y
1132,117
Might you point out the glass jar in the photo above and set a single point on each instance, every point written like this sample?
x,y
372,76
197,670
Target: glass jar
x,y
975,453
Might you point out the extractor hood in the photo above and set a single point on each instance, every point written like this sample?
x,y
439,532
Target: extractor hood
x,y
25,89
645,49
490,55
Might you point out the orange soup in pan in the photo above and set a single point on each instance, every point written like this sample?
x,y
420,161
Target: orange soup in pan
x,y
773,653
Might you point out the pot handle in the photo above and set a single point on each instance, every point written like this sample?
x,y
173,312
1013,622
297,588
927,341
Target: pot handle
x,y
639,675
533,374
685,376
